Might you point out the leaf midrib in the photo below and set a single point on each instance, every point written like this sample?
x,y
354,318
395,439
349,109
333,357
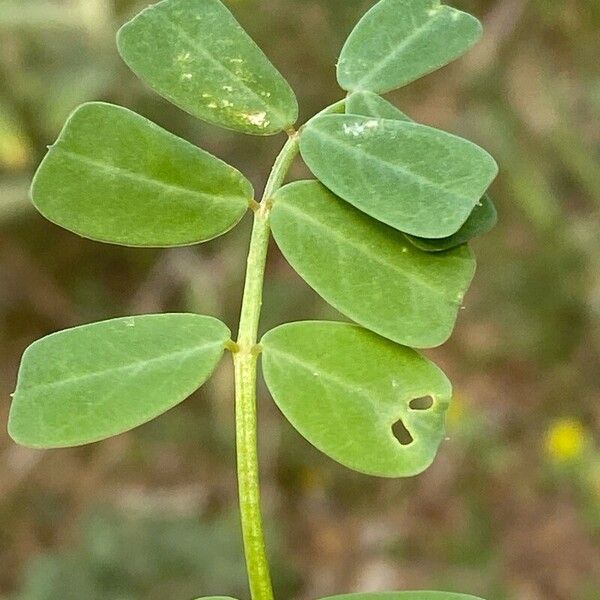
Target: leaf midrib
x,y
419,179
363,249
123,368
224,68
144,179
377,411
375,72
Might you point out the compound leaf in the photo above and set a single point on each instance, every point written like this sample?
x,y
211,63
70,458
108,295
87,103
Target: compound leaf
x,y
344,388
116,177
91,382
417,179
369,104
420,595
195,54
398,41
482,218
368,271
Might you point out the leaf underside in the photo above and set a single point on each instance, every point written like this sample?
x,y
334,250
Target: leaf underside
x,y
92,382
399,41
417,179
482,218
116,177
368,271
343,388
195,54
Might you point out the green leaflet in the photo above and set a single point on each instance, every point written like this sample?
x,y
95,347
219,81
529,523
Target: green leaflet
x,y
422,595
398,41
195,54
368,104
368,271
116,177
343,388
419,180
482,218
480,221
91,382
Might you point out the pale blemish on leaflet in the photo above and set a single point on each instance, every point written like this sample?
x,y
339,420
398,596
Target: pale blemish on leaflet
x,y
358,129
186,76
258,119
184,57
434,10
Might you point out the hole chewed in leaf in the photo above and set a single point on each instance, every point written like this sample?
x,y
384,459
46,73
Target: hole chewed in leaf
x,y
424,403
401,433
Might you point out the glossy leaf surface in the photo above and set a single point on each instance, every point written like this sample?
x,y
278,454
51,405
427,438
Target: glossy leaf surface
x,y
418,595
95,381
482,218
369,104
344,388
116,177
195,54
417,179
398,41
368,271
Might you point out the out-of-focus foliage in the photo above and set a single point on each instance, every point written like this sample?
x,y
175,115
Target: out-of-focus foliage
x,y
145,556
510,509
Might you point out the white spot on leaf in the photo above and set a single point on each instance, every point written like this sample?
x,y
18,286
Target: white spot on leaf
x,y
357,129
258,119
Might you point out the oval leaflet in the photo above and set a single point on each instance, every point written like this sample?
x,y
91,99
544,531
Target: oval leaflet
x,y
195,54
91,382
417,179
114,176
398,41
343,388
368,271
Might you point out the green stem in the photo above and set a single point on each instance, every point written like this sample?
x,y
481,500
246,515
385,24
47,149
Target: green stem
x,y
245,356
245,383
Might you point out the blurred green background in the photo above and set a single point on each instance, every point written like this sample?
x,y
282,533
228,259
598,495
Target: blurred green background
x,y
510,510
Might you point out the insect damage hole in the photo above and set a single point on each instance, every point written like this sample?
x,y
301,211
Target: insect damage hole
x,y
423,403
401,433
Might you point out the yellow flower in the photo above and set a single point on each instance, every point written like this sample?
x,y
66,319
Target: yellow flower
x,y
565,440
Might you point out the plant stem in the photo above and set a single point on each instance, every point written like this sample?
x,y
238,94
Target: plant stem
x,y
245,356
245,383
